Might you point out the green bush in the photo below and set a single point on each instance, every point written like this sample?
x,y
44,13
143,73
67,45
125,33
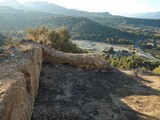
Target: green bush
x,y
110,50
157,70
132,62
58,39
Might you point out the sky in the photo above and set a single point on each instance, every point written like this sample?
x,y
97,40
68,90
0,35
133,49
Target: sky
x,y
115,7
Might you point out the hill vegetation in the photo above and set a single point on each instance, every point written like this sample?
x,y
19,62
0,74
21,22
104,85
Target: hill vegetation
x,y
148,15
80,28
101,17
116,21
55,38
81,24
157,70
132,62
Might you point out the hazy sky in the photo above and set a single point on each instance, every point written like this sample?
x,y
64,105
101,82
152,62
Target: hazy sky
x,y
112,6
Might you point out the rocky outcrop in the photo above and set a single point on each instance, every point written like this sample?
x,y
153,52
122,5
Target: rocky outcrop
x,y
20,67
19,81
80,60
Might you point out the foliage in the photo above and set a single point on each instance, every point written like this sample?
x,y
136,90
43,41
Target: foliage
x,y
56,38
144,45
157,70
154,52
110,50
125,21
79,27
10,37
132,62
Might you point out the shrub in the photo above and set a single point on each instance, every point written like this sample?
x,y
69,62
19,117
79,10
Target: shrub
x,y
58,39
157,70
110,50
132,62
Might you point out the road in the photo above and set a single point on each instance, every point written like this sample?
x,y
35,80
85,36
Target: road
x,y
98,47
147,55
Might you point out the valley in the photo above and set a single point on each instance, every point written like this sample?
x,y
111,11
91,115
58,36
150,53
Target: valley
x,y
98,47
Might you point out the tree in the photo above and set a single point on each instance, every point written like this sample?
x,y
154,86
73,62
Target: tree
x,y
110,50
58,39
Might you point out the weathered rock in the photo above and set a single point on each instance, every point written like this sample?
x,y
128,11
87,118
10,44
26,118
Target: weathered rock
x,y
80,60
19,75
19,83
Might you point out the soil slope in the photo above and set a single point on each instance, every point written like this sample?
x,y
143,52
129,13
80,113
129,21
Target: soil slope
x,y
71,93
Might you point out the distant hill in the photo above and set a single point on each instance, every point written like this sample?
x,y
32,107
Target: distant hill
x,y
55,9
79,27
81,24
14,4
1,40
103,18
117,21
148,15
15,19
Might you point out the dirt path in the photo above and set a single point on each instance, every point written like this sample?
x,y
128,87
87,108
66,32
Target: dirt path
x,y
70,93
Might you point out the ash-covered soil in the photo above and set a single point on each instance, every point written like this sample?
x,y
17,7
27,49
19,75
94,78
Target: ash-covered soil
x,y
70,93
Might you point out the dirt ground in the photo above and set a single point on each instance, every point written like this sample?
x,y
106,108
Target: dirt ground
x,y
70,93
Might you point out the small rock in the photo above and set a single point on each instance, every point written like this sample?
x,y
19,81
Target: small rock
x,y
12,55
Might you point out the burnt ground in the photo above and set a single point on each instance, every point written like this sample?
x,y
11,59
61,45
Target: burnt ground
x,y
70,93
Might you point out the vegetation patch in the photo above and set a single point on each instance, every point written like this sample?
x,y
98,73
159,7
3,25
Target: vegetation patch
x,y
132,62
59,39
157,70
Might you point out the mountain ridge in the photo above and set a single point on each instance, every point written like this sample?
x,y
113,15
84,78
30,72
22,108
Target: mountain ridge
x,y
57,9
81,24
14,4
103,18
147,15
79,27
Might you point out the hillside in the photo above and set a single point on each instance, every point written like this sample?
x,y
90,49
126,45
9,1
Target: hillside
x,y
79,27
117,21
71,86
1,40
14,4
88,94
19,75
83,28
56,9
81,24
104,18
14,19
148,15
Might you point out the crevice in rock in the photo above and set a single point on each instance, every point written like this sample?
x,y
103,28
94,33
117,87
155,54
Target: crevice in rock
x,y
28,82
